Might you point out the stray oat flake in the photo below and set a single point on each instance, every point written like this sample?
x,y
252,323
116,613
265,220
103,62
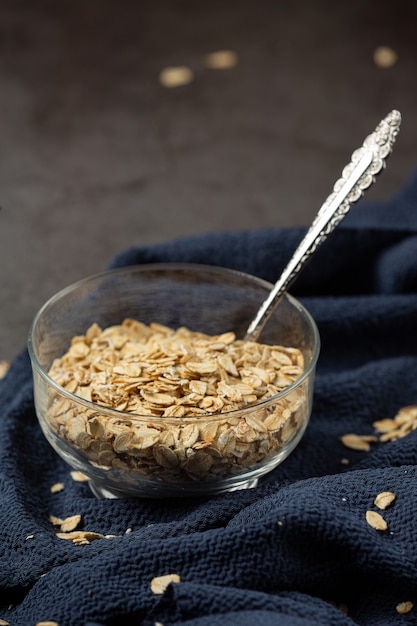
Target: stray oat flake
x,y
66,525
375,520
384,499
160,583
79,477
80,537
57,487
404,422
358,442
4,368
404,607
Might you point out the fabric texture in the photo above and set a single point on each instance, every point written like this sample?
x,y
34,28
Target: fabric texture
x,y
296,549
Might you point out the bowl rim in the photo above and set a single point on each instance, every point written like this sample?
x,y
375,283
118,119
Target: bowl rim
x,y
175,266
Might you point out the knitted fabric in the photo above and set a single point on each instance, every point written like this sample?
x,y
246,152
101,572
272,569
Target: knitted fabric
x,y
292,551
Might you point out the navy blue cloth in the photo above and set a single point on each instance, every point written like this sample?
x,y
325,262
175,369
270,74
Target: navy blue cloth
x,y
293,551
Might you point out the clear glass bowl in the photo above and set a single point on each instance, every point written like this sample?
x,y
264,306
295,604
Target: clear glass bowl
x,y
247,443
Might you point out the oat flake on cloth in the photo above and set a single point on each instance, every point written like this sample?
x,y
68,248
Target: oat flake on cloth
x,y
295,551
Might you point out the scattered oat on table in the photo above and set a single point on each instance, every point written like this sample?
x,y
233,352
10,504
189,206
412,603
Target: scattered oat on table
x,y
358,442
404,607
79,477
4,623
385,57
221,60
404,422
375,520
66,525
4,368
70,523
384,499
160,583
80,537
178,76
47,623
55,488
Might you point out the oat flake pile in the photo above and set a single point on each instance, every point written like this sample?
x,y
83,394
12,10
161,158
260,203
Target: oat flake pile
x,y
328,538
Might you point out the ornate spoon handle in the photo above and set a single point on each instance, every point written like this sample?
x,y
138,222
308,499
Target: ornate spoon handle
x,y
356,177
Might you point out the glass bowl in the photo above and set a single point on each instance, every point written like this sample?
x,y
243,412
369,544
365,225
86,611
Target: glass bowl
x,y
127,454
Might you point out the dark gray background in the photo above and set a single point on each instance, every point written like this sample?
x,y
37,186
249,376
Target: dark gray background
x,y
97,156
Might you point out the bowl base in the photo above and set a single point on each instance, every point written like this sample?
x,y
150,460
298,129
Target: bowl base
x,y
102,492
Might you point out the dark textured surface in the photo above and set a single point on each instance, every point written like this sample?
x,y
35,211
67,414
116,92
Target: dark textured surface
x,y
97,156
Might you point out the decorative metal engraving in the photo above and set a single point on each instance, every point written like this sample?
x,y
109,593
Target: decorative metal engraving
x,y
357,176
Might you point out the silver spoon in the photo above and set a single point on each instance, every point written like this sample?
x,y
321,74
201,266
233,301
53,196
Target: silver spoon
x,y
357,176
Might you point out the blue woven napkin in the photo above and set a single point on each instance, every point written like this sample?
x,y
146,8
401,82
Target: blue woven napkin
x,y
295,551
